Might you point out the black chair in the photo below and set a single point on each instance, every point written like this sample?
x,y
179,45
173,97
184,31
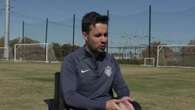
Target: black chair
x,y
58,103
136,105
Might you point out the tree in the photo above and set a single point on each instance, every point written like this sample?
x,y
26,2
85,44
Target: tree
x,y
188,54
16,41
189,50
62,50
2,42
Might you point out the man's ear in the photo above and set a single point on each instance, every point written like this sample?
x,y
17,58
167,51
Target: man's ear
x,y
85,35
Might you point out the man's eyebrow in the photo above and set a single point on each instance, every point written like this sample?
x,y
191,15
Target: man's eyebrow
x,y
99,34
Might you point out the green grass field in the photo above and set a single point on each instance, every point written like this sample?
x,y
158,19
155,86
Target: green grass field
x,y
25,86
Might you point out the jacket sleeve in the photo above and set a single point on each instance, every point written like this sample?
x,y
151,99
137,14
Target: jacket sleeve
x,y
68,80
119,85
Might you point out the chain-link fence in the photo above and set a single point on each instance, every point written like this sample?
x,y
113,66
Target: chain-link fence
x,y
176,55
125,29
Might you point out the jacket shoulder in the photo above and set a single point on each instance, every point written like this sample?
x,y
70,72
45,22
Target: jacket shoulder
x,y
74,55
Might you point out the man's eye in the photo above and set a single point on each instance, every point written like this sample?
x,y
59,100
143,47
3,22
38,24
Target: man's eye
x,y
98,35
106,34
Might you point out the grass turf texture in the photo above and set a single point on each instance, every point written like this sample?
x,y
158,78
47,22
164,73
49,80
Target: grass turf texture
x,y
25,86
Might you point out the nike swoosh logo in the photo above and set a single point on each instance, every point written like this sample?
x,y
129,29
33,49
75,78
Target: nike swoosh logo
x,y
83,71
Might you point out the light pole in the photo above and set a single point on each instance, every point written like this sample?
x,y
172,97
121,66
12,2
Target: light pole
x,y
7,29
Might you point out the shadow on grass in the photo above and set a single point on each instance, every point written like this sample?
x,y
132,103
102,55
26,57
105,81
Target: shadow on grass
x,y
40,79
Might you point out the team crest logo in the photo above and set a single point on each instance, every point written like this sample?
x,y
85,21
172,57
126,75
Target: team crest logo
x,y
108,71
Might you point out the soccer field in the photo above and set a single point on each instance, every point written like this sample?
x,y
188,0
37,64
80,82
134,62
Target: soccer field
x,y
25,86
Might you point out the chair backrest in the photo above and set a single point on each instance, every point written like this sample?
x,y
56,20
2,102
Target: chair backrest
x,y
58,96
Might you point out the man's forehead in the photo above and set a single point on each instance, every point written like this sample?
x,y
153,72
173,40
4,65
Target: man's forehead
x,y
93,26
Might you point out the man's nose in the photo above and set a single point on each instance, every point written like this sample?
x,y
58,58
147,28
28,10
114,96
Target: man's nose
x,y
104,39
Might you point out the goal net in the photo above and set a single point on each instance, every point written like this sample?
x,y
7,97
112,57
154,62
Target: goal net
x,y
34,52
149,61
176,55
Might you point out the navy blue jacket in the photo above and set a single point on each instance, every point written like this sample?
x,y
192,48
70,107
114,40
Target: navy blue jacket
x,y
88,82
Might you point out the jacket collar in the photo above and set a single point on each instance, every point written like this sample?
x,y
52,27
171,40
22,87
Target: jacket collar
x,y
88,53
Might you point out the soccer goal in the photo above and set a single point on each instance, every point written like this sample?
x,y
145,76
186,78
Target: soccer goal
x,y
149,61
33,52
176,56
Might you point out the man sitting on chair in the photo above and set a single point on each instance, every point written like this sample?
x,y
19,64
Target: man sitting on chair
x,y
89,75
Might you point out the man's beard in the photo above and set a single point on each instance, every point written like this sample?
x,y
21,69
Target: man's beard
x,y
96,50
101,50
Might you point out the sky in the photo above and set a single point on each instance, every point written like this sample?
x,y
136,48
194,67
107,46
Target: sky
x,y
172,20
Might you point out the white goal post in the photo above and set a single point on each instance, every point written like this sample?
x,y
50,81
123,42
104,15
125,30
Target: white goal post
x,y
175,55
33,52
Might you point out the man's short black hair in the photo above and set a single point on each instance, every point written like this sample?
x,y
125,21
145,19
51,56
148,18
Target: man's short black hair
x,y
92,18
